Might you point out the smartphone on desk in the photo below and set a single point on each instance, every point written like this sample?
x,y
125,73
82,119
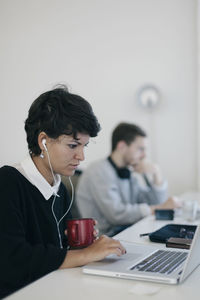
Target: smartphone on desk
x,y
164,214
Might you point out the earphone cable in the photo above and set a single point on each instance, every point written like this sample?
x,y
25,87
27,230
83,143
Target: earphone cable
x,y
72,199
58,222
54,180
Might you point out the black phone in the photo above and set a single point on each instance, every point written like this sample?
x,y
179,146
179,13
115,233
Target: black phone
x,y
164,214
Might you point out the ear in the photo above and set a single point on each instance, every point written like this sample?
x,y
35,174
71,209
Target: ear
x,y
42,135
121,145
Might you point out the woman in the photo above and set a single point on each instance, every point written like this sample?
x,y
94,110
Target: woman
x,y
35,204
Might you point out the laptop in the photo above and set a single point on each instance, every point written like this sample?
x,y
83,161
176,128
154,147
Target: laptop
x,y
148,263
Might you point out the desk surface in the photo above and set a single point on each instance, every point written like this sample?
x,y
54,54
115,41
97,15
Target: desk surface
x,y
73,284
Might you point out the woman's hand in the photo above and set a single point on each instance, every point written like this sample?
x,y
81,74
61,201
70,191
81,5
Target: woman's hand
x,y
100,248
103,247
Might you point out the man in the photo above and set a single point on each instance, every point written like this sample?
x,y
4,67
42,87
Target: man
x,y
109,191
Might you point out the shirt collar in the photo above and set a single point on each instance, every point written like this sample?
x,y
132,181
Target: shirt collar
x,y
28,169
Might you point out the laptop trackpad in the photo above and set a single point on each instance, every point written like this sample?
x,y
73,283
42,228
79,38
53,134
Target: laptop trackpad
x,y
127,257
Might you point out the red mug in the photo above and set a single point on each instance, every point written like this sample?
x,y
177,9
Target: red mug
x,y
80,232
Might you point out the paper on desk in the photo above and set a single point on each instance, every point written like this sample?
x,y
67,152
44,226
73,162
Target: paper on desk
x,y
144,289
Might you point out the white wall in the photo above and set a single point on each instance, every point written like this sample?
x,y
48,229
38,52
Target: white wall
x,y
105,50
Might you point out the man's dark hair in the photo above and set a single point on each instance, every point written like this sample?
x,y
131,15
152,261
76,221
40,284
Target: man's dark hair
x,y
58,112
126,132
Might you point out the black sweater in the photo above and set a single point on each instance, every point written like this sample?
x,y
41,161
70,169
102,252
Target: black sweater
x,y
29,243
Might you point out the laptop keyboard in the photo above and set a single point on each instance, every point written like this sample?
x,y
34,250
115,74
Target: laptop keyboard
x,y
162,261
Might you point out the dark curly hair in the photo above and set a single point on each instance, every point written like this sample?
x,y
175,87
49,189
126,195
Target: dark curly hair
x,y
58,112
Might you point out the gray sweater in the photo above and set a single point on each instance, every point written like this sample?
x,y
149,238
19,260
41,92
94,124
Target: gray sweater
x,y
112,201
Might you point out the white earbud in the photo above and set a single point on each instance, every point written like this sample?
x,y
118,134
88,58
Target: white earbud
x,y
44,144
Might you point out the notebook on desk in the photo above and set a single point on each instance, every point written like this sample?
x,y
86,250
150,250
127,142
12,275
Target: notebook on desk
x,y
148,263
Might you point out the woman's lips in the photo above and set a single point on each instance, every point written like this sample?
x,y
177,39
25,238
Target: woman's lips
x,y
74,166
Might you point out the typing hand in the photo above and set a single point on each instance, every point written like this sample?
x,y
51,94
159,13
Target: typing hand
x,y
102,247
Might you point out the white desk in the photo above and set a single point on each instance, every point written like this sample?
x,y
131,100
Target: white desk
x,y
73,284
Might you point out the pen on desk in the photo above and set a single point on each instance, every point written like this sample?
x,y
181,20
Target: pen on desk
x,y
144,234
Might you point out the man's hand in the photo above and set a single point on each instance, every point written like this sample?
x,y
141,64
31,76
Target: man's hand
x,y
149,168
170,203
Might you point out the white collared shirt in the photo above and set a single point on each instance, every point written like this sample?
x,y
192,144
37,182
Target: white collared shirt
x,y
28,169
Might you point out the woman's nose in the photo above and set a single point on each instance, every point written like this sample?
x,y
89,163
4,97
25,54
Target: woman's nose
x,y
80,154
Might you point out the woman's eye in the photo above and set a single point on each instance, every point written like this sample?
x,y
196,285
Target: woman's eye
x,y
72,146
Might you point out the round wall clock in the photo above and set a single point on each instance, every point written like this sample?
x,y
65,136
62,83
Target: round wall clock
x,y
149,96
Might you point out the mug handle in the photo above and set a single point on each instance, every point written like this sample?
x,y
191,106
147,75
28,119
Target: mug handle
x,y
74,231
